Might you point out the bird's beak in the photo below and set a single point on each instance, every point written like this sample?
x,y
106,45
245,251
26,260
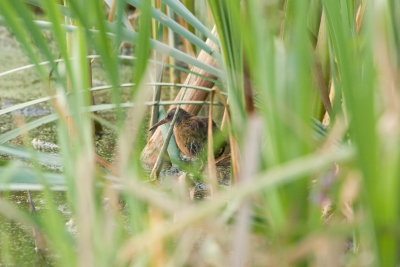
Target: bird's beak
x,y
161,122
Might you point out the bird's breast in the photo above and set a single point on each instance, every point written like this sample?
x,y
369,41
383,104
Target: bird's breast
x,y
189,139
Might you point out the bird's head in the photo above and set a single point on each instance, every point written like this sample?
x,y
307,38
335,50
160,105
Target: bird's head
x,y
182,114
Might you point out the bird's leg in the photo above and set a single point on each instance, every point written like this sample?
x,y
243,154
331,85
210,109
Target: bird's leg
x,y
202,165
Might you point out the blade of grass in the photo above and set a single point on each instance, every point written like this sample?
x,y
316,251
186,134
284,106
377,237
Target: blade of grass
x,y
185,13
176,27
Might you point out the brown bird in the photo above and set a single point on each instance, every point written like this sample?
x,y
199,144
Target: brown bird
x,y
191,133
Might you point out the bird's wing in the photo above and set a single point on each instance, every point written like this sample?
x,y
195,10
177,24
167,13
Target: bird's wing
x,y
196,140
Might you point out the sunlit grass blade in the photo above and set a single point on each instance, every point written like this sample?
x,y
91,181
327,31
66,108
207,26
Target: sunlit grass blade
x,y
24,105
27,179
176,27
124,58
131,36
227,20
7,136
22,153
180,9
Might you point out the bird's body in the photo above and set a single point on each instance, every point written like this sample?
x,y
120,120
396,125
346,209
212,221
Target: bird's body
x,y
191,133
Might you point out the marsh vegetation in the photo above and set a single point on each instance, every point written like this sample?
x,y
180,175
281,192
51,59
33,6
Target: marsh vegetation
x,y
305,95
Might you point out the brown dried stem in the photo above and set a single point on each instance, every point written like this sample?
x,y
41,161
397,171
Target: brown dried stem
x,y
212,170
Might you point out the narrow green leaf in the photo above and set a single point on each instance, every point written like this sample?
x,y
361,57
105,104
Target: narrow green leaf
x,y
185,13
163,19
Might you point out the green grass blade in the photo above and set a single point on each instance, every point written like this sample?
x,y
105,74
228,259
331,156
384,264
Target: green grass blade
x,y
23,153
163,19
185,13
7,136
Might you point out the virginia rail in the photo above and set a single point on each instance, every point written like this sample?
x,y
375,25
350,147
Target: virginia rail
x,y
191,133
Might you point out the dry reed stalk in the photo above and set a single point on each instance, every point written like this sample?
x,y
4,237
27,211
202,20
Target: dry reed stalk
x,y
321,68
69,41
186,44
111,13
111,211
250,164
323,87
386,68
360,15
157,252
226,122
85,168
212,169
96,127
104,163
58,103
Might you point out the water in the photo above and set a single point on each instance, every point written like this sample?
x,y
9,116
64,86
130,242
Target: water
x,y
17,244
31,111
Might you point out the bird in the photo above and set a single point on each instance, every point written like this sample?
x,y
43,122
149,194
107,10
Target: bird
x,y
190,133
